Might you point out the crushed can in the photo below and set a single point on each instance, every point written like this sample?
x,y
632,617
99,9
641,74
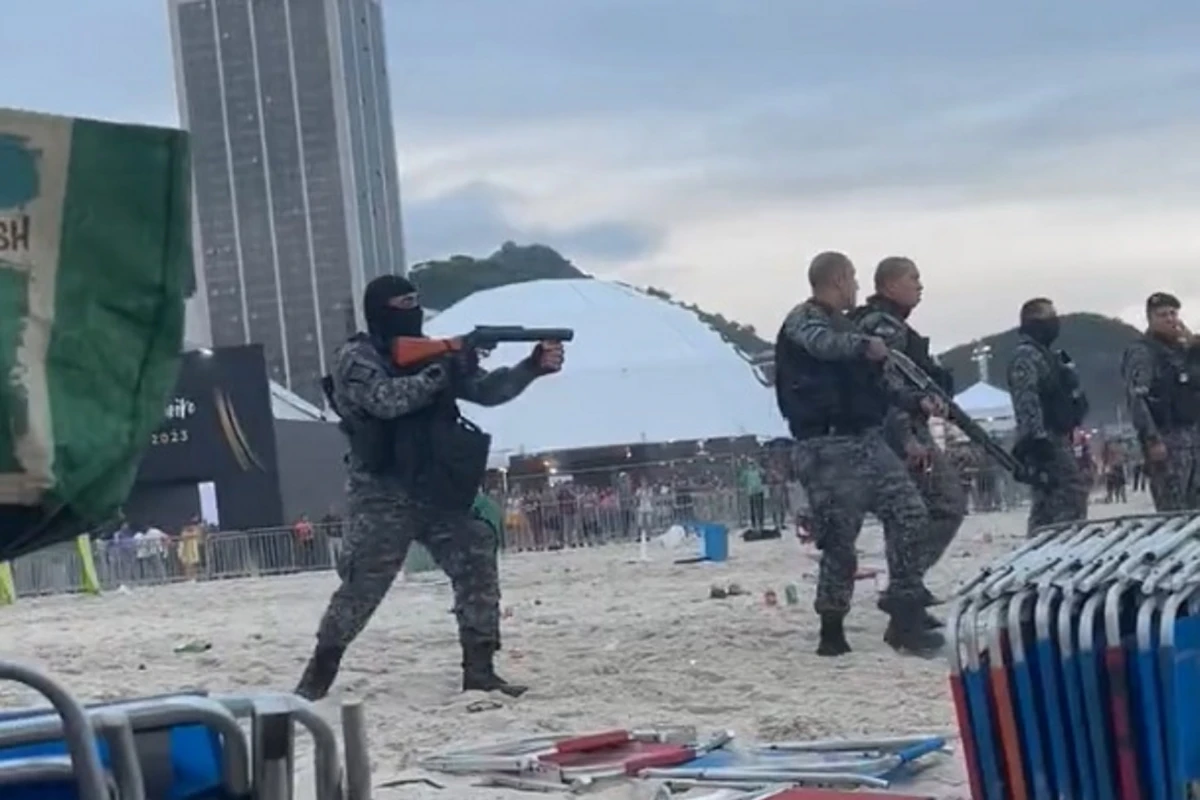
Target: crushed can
x,y
791,594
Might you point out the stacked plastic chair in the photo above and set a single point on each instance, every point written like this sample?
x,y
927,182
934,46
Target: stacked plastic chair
x,y
1075,664
178,747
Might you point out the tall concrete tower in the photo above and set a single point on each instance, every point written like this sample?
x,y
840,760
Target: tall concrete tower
x,y
297,195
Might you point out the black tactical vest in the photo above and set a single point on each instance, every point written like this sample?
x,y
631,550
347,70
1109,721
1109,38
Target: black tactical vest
x,y
916,346
438,455
825,398
1174,398
1064,404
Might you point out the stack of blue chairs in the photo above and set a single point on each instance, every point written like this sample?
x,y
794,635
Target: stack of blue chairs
x,y
1075,664
187,746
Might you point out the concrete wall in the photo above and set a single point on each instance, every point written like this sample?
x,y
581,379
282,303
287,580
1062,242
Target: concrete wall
x,y
312,473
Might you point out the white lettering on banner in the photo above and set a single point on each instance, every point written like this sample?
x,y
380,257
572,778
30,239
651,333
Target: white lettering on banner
x,y
180,409
169,436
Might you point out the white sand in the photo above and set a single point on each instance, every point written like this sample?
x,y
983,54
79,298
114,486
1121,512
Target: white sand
x,y
604,643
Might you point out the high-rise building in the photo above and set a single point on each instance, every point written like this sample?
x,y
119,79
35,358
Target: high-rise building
x,y
297,197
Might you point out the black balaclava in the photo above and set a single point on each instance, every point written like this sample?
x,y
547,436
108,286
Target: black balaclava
x,y
385,322
1044,330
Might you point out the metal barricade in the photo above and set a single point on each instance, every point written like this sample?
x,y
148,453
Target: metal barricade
x,y
591,508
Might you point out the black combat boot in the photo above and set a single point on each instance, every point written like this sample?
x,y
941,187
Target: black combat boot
x,y
479,672
932,622
908,631
833,636
320,673
928,598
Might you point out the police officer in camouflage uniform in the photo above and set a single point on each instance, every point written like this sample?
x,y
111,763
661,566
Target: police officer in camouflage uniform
x,y
1162,383
885,314
386,509
832,389
1049,405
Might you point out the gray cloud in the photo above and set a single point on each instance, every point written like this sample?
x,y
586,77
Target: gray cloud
x,y
471,219
745,103
592,56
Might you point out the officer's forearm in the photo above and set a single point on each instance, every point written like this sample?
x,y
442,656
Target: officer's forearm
x,y
901,393
1138,369
1143,420
898,425
820,340
498,386
1027,408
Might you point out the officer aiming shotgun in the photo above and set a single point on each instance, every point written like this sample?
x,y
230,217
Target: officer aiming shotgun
x,y
414,351
414,468
914,375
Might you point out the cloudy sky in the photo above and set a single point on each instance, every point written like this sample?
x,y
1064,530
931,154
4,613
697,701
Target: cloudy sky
x,y
711,147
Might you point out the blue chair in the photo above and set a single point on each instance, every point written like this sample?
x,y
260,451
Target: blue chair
x,y
177,747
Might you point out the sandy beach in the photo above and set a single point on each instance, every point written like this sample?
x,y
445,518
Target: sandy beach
x,y
603,640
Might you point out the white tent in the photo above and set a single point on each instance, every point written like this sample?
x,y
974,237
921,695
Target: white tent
x,y
639,370
988,405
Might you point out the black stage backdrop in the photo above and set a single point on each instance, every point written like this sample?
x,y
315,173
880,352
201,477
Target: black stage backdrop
x,y
218,427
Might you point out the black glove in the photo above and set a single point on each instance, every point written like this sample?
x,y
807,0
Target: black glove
x,y
1037,457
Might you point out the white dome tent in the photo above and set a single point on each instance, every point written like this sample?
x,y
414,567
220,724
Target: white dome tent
x,y
640,370
988,405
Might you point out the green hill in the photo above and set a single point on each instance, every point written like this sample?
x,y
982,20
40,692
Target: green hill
x,y
444,283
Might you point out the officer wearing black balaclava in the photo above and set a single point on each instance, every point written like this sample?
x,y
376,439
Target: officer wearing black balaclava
x,y
1049,406
1161,370
388,416
391,308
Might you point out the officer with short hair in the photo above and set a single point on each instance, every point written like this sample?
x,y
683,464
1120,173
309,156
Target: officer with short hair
x,y
885,314
832,389
1049,404
1162,385
414,470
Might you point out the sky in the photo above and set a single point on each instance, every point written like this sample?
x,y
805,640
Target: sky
x,y
712,147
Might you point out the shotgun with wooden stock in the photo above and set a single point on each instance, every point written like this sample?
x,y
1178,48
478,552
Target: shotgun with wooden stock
x,y
410,351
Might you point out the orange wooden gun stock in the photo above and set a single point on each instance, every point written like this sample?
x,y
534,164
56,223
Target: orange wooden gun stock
x,y
408,351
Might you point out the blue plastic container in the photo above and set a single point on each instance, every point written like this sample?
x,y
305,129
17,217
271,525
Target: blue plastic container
x,y
714,541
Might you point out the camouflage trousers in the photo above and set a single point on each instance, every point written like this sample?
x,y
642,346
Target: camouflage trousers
x,y
845,477
945,499
381,526
1066,499
1175,483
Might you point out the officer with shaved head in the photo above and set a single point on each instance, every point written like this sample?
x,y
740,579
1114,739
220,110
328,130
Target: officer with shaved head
x,y
833,391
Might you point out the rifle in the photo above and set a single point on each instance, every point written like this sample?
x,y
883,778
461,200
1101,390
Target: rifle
x,y
954,413
408,351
